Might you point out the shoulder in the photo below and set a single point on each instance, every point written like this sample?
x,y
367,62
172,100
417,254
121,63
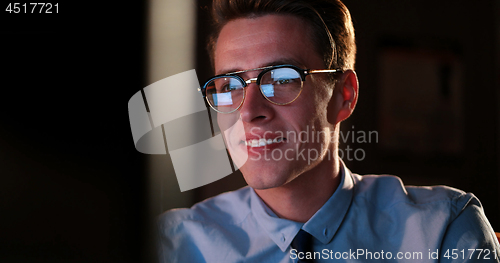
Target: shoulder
x,y
227,208
193,234
386,191
420,218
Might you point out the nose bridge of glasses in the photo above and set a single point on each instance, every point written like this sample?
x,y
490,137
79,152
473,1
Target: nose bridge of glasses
x,y
252,80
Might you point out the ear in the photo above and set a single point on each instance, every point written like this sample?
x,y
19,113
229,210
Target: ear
x,y
345,96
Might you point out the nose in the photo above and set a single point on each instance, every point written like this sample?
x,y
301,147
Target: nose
x,y
255,108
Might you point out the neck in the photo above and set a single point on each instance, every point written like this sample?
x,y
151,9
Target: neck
x,y
301,198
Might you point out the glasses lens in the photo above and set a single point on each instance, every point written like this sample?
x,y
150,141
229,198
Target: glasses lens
x,y
225,94
281,85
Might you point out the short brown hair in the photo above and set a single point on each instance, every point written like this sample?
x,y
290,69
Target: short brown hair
x,y
318,13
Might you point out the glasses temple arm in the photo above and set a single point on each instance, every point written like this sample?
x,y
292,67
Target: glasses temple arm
x,y
311,71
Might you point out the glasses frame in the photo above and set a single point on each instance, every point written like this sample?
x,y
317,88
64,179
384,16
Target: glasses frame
x,y
302,72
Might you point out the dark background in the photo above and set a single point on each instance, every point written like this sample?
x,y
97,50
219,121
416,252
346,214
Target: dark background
x,y
71,182
73,188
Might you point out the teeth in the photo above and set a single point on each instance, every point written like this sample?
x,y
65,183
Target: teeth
x,y
262,142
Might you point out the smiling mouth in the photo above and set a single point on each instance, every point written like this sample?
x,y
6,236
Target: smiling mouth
x,y
263,142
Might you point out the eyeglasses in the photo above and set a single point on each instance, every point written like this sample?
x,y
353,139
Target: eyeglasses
x,y
280,85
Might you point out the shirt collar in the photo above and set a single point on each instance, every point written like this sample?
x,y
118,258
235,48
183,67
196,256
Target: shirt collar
x,y
326,221
322,225
280,230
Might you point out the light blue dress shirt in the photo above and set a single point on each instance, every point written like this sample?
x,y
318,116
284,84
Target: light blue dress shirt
x,y
368,218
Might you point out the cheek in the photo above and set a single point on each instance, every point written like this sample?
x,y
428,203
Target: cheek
x,y
226,121
306,111
317,90
322,102
317,106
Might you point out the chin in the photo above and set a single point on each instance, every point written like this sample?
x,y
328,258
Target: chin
x,y
262,179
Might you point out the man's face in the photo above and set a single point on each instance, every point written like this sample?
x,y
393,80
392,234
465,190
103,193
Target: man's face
x,y
249,43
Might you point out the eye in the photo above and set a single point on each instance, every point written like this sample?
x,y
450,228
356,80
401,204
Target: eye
x,y
229,88
284,81
228,85
224,88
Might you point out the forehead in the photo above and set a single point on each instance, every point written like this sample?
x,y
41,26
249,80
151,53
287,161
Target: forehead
x,y
254,42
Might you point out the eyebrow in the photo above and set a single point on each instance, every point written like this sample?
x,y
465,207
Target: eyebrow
x,y
286,61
